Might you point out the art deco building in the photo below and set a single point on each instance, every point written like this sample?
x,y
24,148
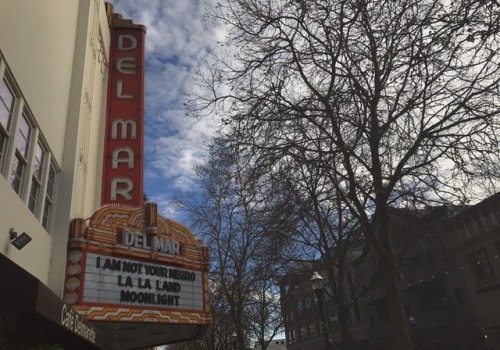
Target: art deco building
x,y
71,189
53,85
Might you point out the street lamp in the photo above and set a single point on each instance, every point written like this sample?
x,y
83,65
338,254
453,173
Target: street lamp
x,y
317,283
413,323
234,340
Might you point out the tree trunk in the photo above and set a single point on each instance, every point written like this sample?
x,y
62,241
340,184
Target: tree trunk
x,y
344,327
241,339
401,335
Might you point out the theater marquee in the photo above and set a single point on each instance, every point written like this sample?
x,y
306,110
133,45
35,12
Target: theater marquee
x,y
132,266
123,281
140,278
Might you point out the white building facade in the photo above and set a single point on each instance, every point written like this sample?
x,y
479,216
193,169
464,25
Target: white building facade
x,y
53,70
53,88
71,190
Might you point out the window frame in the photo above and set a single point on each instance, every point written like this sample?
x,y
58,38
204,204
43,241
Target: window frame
x,y
9,154
18,157
481,265
8,133
49,200
34,180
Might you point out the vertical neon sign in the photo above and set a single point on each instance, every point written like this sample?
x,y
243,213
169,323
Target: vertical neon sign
x,y
123,166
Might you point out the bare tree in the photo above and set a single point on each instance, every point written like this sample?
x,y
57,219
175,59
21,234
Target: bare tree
x,y
232,215
219,334
330,232
397,100
264,310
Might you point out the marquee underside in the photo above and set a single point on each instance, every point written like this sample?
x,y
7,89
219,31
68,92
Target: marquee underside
x,y
139,335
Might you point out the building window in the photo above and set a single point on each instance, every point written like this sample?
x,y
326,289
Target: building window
x,y
24,157
407,309
383,315
397,241
312,331
357,312
432,301
460,295
36,179
49,198
6,105
481,265
303,332
20,159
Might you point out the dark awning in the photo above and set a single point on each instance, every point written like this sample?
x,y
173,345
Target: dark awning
x,y
31,310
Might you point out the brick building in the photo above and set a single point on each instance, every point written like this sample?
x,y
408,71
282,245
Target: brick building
x,y
449,272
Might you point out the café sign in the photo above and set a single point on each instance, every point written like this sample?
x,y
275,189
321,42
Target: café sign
x,y
75,323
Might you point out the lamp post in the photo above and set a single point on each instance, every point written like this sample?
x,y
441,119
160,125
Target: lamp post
x,y
413,324
317,283
234,340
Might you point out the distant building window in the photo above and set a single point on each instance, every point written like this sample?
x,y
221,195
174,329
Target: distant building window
x,y
308,302
396,239
481,265
383,315
357,312
432,301
300,307
491,217
460,295
469,228
303,332
312,331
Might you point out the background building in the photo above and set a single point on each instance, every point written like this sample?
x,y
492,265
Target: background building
x,y
301,313
449,270
275,344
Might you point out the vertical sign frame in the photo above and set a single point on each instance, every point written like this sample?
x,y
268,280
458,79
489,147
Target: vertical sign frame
x,y
123,163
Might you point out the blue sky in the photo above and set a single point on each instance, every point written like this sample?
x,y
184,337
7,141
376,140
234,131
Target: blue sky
x,y
178,37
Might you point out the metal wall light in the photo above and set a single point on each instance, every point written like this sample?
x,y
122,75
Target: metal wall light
x,y
19,241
